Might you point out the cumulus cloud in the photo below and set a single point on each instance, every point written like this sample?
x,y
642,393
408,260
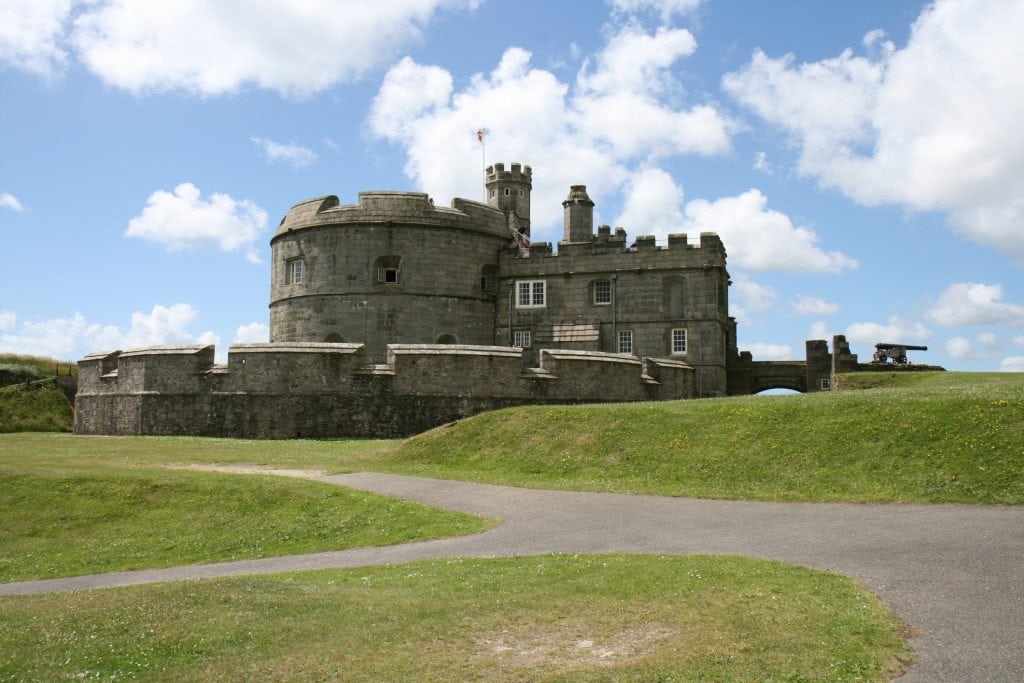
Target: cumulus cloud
x,y
74,336
296,155
9,201
665,9
652,203
897,330
819,330
762,351
7,320
185,220
1012,364
958,348
812,305
973,303
252,333
214,48
31,35
760,238
621,114
934,126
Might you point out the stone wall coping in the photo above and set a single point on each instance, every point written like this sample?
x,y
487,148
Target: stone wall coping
x,y
98,355
453,350
182,350
669,363
572,354
295,347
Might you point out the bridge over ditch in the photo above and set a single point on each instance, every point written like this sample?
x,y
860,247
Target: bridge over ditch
x,y
778,374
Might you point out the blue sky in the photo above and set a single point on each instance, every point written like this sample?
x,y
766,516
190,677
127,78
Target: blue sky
x,y
863,162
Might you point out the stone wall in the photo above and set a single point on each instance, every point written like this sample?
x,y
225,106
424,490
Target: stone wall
x,y
329,390
655,289
445,261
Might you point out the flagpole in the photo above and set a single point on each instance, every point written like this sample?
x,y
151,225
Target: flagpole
x,y
481,135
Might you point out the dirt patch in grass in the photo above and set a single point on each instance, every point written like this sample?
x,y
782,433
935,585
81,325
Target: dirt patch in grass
x,y
571,648
252,469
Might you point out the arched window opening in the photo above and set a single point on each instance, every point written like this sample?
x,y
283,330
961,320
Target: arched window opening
x,y
334,338
447,339
388,270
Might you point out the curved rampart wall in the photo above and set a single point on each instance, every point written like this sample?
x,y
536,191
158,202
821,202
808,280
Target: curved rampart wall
x,y
328,390
436,288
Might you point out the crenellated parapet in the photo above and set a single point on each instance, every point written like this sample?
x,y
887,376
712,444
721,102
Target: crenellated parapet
x,y
379,207
329,390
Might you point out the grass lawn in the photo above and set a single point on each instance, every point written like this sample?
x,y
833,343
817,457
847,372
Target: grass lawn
x,y
923,437
614,617
64,517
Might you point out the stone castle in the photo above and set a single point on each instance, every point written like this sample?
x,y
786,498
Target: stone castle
x,y
392,316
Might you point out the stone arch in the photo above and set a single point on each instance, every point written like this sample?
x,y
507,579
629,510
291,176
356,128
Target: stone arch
x,y
489,279
674,295
334,338
447,339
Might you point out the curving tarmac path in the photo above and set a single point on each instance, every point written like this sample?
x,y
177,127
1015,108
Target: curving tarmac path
x,y
955,573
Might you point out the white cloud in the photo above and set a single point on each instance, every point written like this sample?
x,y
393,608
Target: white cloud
x,y
296,155
620,115
769,351
1012,364
69,337
7,320
1018,341
973,303
762,164
812,305
759,238
897,330
666,9
184,220
652,204
958,348
215,48
933,126
819,330
252,333
752,295
31,33
9,201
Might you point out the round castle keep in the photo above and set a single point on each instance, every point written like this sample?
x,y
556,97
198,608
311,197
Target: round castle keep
x,y
392,268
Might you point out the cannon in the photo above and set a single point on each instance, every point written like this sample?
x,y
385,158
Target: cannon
x,y
897,353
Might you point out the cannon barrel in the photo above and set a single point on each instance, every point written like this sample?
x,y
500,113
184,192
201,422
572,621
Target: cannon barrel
x,y
909,347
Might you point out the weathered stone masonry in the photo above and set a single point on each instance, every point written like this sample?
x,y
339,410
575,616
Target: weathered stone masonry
x,y
329,390
393,315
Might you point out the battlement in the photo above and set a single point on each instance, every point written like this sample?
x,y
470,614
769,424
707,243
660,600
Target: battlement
x,y
517,172
329,390
708,248
387,207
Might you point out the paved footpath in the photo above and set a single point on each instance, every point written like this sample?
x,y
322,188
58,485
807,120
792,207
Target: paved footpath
x,y
955,573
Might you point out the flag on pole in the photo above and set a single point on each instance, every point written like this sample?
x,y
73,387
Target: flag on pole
x,y
480,132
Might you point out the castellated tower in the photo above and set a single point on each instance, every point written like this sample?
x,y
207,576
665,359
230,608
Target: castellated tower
x,y
510,191
579,215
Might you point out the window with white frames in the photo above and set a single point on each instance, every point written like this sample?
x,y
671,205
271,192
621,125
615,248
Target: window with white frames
x,y
296,271
826,384
678,341
626,341
493,192
521,339
603,292
508,191
530,294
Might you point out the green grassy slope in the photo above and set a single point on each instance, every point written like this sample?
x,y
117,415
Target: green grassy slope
x,y
29,398
39,406
554,618
933,437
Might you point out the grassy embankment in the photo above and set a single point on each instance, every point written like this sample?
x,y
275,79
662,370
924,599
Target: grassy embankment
x,y
534,618
924,437
30,401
